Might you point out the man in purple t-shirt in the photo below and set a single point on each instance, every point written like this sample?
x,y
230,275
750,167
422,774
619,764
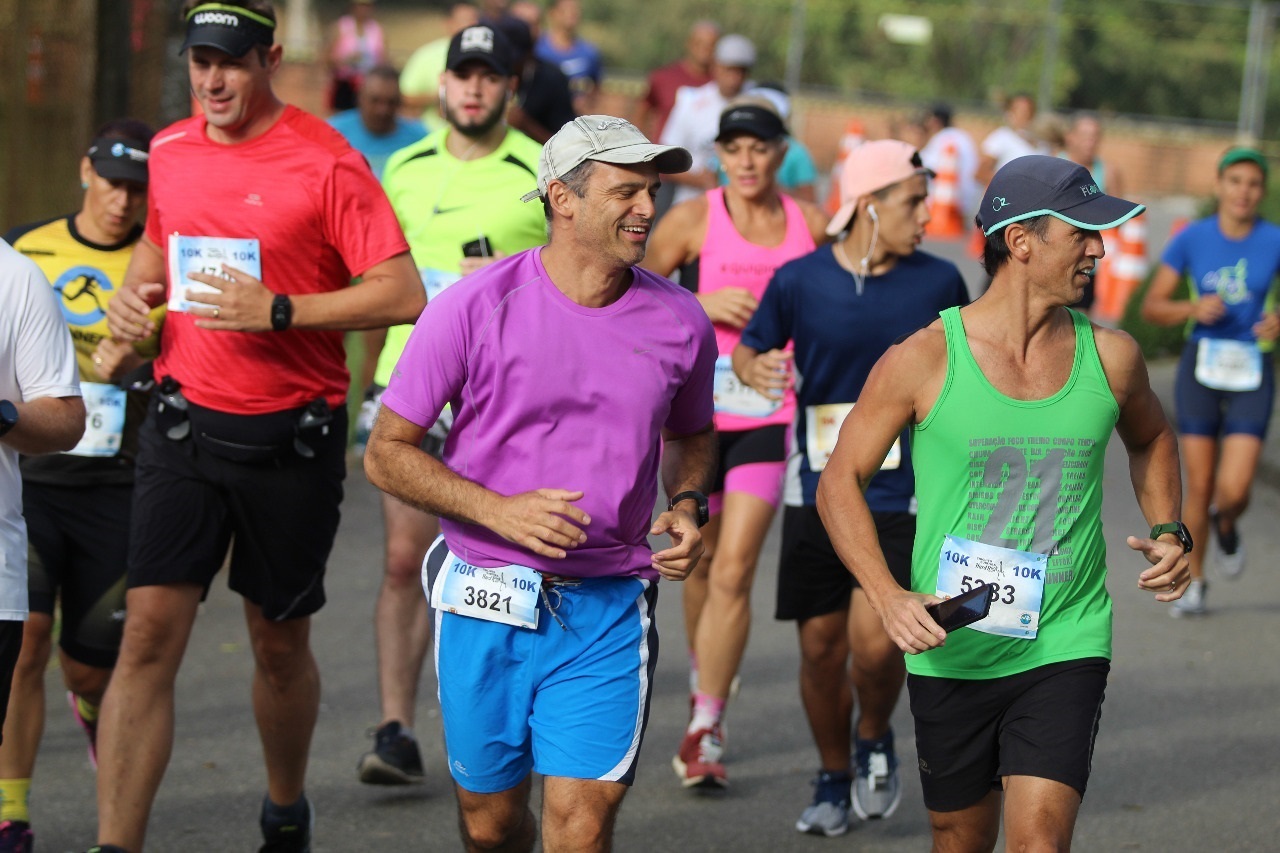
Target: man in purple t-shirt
x,y
573,376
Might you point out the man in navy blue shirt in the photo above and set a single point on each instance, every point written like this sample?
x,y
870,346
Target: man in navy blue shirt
x,y
843,306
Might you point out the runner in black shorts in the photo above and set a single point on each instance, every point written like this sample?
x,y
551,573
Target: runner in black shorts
x,y
77,504
842,306
244,444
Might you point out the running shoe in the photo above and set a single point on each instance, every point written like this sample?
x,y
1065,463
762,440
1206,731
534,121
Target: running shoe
x,y
877,790
90,729
395,759
284,832
698,763
829,814
1228,551
16,837
1192,602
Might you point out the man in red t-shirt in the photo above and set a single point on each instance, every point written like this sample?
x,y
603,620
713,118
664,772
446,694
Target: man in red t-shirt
x,y
692,69
259,215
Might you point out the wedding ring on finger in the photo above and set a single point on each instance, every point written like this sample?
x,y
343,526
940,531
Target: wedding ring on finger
x,y
97,359
216,312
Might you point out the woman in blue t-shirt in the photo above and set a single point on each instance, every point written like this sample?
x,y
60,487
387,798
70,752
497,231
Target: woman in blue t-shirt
x,y
1226,384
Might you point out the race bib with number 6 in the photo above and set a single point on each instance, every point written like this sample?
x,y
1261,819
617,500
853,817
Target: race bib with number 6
x,y
1228,365
506,594
1018,577
104,420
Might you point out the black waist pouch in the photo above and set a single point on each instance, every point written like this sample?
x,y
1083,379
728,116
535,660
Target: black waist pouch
x,y
260,439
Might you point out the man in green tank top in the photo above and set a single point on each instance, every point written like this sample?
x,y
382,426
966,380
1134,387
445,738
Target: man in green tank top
x,y
1011,402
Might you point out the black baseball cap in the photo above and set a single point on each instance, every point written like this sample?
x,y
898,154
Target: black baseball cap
x,y
754,119
119,159
1038,185
231,29
481,43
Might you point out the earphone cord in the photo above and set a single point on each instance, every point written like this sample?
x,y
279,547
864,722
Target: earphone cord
x,y
859,279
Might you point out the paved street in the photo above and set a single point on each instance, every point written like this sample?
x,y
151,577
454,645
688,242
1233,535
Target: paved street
x,y
1186,761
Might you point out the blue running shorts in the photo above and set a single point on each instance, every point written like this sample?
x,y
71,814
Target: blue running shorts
x,y
1213,413
567,700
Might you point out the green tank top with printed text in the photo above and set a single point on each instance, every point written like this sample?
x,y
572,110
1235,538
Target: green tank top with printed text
x,y
1024,475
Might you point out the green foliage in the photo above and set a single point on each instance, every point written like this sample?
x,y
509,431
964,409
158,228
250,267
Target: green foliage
x,y
1155,341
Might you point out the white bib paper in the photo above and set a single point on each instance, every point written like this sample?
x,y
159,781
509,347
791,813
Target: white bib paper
x,y
1228,365
104,420
434,282
735,397
207,255
822,428
1019,578
506,594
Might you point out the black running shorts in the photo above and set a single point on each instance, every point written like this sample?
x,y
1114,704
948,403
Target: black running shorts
x,y
748,447
189,506
78,539
10,647
972,733
811,579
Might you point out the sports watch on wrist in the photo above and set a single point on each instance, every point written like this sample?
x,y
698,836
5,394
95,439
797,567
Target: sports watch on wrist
x,y
703,514
1177,528
281,312
8,416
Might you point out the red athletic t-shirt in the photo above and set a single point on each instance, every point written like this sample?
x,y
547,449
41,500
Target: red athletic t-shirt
x,y
320,217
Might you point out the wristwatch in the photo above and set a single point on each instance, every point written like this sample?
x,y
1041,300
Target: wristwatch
x,y
8,416
281,312
1177,528
703,514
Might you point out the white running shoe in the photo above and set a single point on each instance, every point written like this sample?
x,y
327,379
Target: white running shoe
x,y
1192,602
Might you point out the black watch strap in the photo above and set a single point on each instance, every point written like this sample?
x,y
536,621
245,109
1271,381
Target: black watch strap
x,y
281,312
704,514
8,416
1178,529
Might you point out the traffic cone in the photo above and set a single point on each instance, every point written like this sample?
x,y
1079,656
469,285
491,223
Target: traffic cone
x,y
946,222
1128,270
1104,282
852,138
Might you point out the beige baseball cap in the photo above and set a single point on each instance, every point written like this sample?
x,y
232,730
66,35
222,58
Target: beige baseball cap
x,y
608,140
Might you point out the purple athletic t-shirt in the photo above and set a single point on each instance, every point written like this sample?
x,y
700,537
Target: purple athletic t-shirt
x,y
547,393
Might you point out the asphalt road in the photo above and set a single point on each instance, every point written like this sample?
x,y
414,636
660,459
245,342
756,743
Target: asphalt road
x,y
1187,758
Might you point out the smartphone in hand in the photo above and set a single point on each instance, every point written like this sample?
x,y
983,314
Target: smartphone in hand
x,y
963,609
478,248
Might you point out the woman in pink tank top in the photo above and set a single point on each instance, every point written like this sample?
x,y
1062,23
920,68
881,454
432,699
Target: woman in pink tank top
x,y
357,45
737,235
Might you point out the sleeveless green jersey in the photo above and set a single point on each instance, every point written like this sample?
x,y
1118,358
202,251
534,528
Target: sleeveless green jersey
x,y
444,202
1024,475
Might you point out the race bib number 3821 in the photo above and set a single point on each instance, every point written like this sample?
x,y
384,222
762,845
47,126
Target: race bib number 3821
x,y
506,594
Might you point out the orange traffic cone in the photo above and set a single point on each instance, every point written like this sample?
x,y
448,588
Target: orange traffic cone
x,y
946,222
852,138
1104,281
1126,272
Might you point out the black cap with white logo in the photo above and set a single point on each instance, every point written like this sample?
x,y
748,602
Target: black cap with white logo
x,y
480,43
119,159
230,29
754,119
1039,185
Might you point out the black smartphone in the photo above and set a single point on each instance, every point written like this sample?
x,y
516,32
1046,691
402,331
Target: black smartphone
x,y
478,248
963,609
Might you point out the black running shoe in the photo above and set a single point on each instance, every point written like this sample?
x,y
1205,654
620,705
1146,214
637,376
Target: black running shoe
x,y
287,829
395,759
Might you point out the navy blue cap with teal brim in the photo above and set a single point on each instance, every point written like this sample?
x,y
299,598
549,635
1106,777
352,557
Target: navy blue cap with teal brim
x,y
1039,185
230,29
